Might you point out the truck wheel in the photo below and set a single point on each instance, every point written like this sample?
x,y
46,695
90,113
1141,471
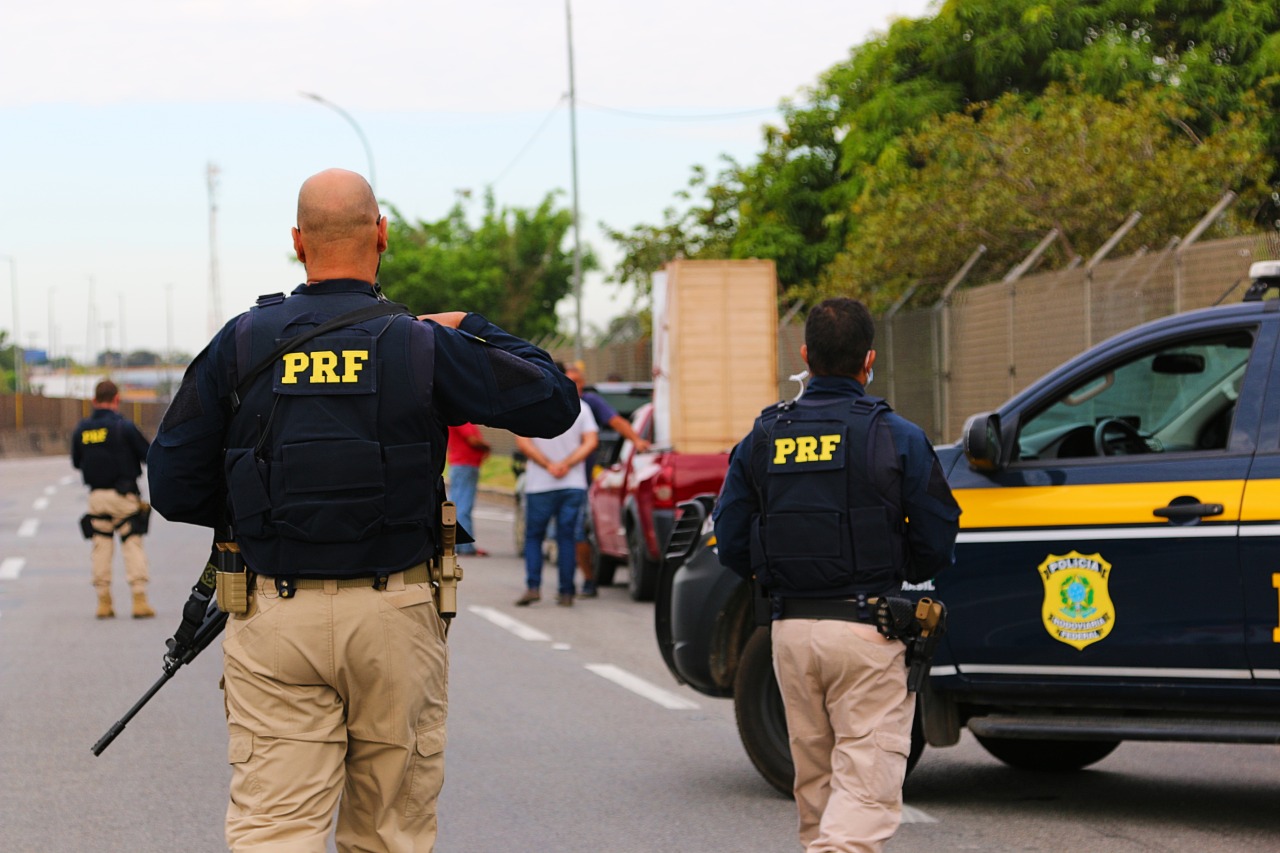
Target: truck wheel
x,y
762,721
757,704
1047,755
643,582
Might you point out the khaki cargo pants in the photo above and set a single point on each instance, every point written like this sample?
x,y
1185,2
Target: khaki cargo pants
x,y
117,507
849,717
336,698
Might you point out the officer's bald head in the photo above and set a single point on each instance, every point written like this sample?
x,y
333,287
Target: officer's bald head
x,y
339,233
838,333
334,204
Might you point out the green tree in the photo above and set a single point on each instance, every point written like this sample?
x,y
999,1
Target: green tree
x,y
511,267
1003,174
8,358
802,201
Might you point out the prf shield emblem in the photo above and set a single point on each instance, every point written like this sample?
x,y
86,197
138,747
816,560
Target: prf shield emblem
x,y
1077,604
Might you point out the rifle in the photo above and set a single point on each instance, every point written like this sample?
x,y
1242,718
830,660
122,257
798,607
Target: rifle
x,y
202,621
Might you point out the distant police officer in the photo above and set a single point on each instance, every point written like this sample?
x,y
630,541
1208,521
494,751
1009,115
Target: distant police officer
x,y
830,502
336,674
109,451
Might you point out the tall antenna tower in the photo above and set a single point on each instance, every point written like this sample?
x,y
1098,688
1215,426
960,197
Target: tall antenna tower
x,y
215,289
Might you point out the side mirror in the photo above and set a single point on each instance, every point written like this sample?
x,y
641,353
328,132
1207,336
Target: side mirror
x,y
982,442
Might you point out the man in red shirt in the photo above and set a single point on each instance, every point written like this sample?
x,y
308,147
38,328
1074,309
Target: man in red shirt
x,y
467,449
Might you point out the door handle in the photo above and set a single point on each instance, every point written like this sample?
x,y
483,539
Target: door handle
x,y
1188,511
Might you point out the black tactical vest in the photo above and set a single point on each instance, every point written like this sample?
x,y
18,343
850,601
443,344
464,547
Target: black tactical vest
x,y
334,459
824,530
106,459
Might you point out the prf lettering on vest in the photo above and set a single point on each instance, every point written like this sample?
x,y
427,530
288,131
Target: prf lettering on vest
x,y
93,436
321,366
805,448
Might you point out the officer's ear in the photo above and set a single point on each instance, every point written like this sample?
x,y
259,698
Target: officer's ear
x,y
804,354
871,360
382,234
297,245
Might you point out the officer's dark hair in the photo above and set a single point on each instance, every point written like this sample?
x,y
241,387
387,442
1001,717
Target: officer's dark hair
x,y
562,367
105,391
838,333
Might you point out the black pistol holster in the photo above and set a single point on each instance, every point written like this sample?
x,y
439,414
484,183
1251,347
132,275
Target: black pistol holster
x,y
920,624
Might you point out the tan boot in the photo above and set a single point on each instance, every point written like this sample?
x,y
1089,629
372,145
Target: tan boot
x,y
141,609
105,610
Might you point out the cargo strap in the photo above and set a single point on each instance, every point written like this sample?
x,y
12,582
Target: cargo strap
x,y
287,586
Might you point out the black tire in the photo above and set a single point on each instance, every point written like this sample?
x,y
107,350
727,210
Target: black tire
x,y
1055,756
762,721
643,575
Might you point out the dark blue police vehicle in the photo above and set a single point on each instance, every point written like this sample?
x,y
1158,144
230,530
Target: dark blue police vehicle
x,y
1117,571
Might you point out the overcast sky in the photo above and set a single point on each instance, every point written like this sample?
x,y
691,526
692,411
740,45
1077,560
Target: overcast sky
x,y
110,114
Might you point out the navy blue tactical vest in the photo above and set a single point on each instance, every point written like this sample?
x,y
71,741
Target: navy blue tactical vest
x,y
334,458
824,530
106,460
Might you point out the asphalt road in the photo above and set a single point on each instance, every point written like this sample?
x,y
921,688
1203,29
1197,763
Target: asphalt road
x,y
566,732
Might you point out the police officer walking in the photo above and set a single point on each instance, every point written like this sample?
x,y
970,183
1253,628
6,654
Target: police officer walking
x,y
315,426
830,502
109,451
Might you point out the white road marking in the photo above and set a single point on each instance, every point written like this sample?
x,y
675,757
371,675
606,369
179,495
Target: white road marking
x,y
29,527
640,687
911,814
49,490
493,514
40,504
561,647
515,626
11,567
67,480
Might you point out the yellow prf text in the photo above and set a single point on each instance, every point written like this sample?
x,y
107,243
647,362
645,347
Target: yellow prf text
x,y
805,448
321,367
93,436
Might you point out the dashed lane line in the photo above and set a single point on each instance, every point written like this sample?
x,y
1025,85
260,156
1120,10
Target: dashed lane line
x,y
493,514
640,687
11,567
29,527
50,490
40,504
911,814
67,480
515,626
617,675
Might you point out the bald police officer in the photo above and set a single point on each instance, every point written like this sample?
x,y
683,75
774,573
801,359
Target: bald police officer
x,y
831,502
328,465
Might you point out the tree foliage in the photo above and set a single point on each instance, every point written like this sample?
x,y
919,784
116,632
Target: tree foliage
x,y
821,193
1004,174
511,267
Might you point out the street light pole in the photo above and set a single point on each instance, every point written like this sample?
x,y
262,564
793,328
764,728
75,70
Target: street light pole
x,y
373,181
573,153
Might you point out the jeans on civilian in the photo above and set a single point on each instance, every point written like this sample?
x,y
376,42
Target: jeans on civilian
x,y
564,505
463,480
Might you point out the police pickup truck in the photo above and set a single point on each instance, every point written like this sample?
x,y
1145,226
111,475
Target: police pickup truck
x,y
1117,572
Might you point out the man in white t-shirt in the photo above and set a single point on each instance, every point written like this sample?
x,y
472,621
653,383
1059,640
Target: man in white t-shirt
x,y
555,486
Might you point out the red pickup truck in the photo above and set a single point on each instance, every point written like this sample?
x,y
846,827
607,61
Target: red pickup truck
x,y
632,505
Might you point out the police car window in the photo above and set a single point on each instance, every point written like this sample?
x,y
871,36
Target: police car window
x,y
1177,398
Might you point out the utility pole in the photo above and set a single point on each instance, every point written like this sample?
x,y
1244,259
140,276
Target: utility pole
x,y
215,289
573,152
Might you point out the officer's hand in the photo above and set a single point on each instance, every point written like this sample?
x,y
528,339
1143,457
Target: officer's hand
x,y
452,319
641,445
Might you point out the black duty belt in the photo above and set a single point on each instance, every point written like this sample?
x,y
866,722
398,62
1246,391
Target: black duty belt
x,y
844,609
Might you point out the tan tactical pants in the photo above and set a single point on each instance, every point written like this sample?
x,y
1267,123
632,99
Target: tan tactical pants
x,y
336,694
849,716
111,503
